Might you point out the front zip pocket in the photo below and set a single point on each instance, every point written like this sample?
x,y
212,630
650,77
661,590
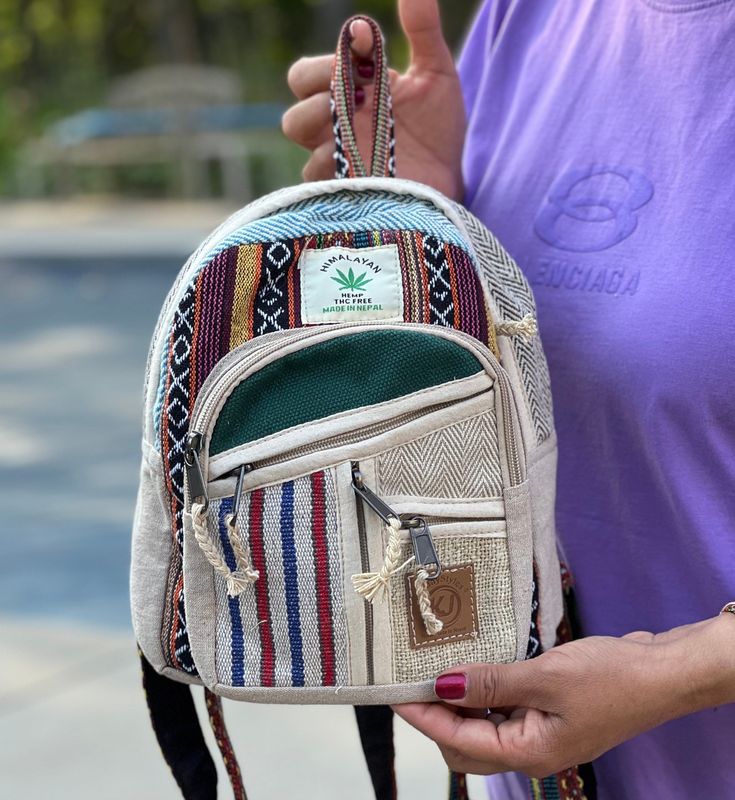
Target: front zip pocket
x,y
274,424
234,440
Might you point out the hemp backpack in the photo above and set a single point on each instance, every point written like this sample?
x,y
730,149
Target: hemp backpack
x,y
349,459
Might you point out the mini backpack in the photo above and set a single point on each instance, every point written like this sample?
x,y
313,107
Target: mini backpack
x,y
348,471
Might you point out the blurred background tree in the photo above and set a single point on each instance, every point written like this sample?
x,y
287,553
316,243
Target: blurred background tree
x,y
60,56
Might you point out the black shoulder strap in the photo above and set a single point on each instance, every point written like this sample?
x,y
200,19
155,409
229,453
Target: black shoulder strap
x,y
375,724
176,725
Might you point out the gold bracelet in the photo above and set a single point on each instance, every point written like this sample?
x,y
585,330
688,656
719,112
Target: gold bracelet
x,y
728,607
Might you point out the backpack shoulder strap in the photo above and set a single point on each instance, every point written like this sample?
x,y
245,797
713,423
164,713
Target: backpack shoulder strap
x,y
180,737
179,733
375,724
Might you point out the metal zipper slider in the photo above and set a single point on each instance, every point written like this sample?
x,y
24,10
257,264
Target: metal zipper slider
x,y
194,477
421,540
241,472
382,509
423,548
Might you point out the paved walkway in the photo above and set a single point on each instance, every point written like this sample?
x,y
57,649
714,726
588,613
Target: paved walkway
x,y
74,726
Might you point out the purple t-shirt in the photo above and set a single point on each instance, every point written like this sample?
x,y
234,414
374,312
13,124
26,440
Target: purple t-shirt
x,y
601,152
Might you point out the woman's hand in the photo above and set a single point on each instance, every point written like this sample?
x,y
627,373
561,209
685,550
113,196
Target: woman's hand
x,y
574,702
427,104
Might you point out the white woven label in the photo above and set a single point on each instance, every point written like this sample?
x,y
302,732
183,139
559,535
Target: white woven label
x,y
342,284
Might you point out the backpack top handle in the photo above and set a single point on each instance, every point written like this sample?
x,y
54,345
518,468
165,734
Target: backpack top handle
x,y
349,162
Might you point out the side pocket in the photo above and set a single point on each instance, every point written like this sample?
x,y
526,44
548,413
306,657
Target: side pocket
x,y
151,553
542,483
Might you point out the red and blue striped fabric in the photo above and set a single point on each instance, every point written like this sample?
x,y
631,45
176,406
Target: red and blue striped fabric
x,y
267,635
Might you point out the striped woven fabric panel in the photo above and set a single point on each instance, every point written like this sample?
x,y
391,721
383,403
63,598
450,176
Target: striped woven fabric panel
x,y
254,289
251,290
289,628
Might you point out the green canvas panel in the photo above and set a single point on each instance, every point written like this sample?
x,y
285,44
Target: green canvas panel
x,y
346,372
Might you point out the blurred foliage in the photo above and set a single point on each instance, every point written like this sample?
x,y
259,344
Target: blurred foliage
x,y
59,56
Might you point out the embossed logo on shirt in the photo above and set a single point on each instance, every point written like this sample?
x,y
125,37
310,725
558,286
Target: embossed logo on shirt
x,y
592,208
452,600
558,273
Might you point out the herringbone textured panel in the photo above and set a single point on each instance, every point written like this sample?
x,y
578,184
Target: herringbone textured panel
x,y
512,296
456,462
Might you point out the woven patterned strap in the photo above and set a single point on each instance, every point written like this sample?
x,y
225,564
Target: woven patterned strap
x,y
222,737
349,163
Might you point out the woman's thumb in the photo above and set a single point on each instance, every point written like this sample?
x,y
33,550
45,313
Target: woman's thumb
x,y
488,685
421,22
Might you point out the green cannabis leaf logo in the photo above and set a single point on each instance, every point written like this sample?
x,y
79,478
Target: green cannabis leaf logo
x,y
349,281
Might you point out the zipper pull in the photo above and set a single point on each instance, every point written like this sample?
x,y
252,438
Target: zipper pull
x,y
241,472
423,548
382,509
421,539
194,477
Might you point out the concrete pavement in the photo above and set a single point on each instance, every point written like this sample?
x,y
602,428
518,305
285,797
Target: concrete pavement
x,y
74,726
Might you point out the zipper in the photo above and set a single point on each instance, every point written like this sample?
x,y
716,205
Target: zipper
x,y
193,468
509,430
421,541
423,545
236,364
353,437
380,507
368,608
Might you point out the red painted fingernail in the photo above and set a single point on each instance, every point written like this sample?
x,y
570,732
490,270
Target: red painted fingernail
x,y
366,69
451,687
359,95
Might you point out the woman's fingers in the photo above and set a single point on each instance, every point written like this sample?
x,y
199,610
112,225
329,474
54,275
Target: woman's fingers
x,y
320,167
491,685
473,713
362,39
311,74
308,123
421,22
474,739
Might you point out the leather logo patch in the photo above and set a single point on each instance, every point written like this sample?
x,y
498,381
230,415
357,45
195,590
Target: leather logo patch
x,y
452,600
